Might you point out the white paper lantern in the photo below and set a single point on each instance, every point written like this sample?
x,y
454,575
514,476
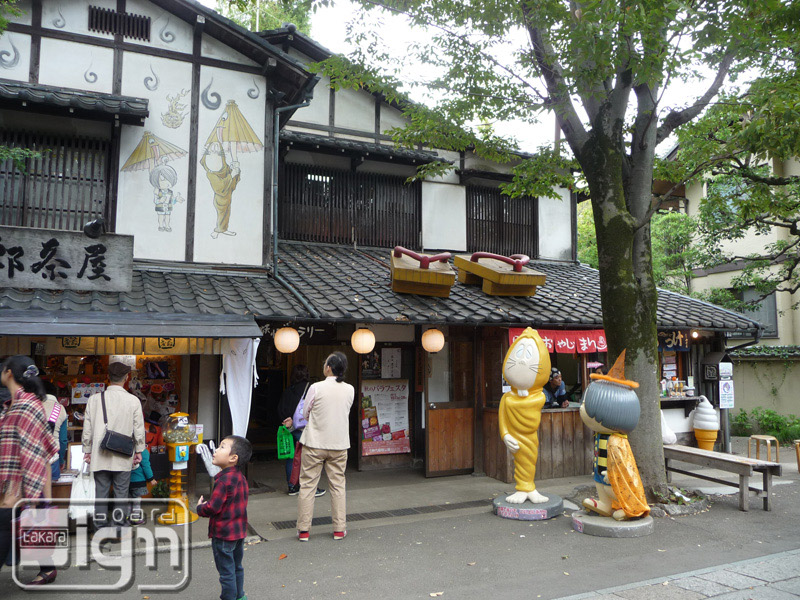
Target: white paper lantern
x,y
287,340
432,340
363,341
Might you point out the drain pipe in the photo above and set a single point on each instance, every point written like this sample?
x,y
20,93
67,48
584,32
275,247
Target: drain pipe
x,y
307,95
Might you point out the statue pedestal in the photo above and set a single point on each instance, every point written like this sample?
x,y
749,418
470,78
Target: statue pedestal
x,y
528,511
592,524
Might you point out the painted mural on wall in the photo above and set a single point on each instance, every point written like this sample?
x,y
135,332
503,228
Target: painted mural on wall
x,y
232,135
152,154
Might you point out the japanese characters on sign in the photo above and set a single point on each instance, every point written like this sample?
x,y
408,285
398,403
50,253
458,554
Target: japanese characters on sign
x,y
319,333
64,260
568,342
674,340
384,417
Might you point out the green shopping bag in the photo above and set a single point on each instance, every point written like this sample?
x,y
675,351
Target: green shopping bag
x,y
285,444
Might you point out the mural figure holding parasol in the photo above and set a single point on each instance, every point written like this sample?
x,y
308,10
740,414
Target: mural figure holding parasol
x,y
152,154
231,135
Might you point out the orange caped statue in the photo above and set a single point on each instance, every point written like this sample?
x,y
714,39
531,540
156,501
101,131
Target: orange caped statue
x,y
611,409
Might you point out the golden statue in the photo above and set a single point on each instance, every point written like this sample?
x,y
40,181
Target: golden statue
x,y
611,409
526,368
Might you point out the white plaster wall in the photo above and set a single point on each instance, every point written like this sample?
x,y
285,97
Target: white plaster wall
x,y
24,6
444,216
213,48
76,66
319,110
355,110
471,161
15,56
136,213
247,203
555,226
451,176
391,118
73,17
166,30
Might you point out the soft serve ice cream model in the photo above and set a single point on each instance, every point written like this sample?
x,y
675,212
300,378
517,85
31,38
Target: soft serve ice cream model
x,y
705,421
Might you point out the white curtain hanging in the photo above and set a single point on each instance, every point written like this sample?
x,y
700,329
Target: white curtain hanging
x,y
238,378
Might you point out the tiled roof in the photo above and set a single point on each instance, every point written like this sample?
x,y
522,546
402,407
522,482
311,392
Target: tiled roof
x,y
343,283
174,291
296,138
130,109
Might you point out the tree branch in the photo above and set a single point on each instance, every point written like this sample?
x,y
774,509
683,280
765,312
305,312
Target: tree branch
x,y
553,76
677,118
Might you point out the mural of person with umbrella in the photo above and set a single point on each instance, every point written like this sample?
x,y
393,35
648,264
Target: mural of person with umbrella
x,y
152,153
231,135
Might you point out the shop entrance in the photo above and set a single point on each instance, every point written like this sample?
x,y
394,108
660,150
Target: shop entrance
x,y
450,417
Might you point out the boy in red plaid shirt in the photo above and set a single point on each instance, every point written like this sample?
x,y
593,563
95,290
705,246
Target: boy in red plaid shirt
x,y
227,512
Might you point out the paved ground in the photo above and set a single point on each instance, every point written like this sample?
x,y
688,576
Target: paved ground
x,y
470,554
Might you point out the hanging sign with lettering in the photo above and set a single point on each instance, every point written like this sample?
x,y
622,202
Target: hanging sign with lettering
x,y
579,341
65,260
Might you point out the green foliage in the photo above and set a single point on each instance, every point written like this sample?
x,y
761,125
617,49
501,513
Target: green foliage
x,y
674,255
18,155
587,241
272,14
740,424
161,489
767,422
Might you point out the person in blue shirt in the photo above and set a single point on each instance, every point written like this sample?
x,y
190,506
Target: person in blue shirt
x,y
140,476
555,392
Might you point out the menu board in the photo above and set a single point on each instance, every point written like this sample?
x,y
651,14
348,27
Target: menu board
x,y
384,417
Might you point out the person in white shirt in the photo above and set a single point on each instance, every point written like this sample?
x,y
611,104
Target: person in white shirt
x,y
325,440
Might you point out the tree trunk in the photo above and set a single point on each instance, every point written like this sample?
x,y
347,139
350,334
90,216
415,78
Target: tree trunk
x,y
629,299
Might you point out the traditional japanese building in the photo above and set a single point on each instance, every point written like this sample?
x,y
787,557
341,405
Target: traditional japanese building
x,y
160,121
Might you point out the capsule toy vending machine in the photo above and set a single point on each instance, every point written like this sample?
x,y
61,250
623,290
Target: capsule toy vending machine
x,y
179,437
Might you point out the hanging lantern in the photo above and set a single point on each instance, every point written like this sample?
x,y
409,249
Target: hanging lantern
x,y
363,341
287,340
432,340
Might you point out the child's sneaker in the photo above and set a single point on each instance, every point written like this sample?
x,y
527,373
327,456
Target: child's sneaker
x,y
294,490
319,492
302,536
139,521
339,535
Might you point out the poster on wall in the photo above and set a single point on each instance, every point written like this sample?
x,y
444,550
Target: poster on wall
x,y
384,417
726,394
371,364
390,363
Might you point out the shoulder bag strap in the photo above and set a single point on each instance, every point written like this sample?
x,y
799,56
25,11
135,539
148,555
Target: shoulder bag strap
x,y
103,401
54,413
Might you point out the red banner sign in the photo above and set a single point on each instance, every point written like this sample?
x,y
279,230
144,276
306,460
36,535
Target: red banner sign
x,y
568,341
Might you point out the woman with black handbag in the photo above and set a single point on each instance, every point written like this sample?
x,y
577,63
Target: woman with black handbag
x,y
26,449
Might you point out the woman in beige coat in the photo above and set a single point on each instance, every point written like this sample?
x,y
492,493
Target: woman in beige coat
x,y
325,440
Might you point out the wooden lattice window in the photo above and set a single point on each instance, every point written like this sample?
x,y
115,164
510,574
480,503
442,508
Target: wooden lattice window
x,y
129,25
501,224
342,207
62,189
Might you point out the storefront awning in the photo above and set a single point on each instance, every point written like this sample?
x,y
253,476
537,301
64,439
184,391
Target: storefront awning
x,y
43,323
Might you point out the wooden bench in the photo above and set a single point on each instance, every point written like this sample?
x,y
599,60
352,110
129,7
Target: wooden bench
x,y
742,466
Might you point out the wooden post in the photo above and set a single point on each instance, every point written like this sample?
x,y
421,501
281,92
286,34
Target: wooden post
x,y
194,401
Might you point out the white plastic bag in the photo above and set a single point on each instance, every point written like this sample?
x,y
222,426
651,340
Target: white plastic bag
x,y
81,500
